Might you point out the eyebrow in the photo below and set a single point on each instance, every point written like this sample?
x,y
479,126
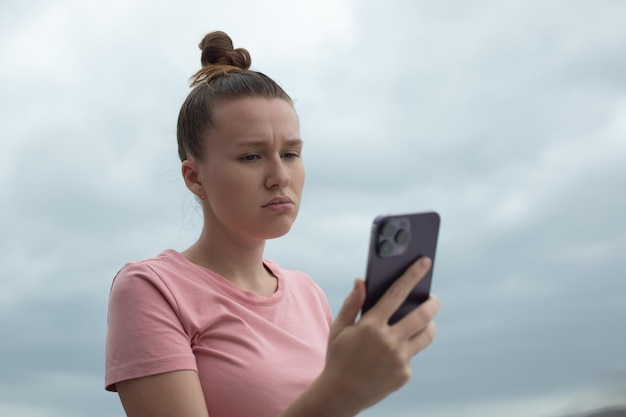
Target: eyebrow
x,y
256,143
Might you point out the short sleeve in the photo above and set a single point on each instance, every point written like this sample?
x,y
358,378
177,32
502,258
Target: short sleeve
x,y
145,334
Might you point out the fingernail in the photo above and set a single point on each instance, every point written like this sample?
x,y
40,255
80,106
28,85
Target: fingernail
x,y
425,262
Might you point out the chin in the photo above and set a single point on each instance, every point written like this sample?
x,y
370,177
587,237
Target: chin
x,y
277,235
278,231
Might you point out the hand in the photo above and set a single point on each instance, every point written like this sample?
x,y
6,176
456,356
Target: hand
x,y
369,359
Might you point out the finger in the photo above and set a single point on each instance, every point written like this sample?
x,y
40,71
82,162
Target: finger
x,y
418,319
351,306
422,340
399,290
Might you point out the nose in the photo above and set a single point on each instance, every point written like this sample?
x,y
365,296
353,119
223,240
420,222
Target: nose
x,y
277,174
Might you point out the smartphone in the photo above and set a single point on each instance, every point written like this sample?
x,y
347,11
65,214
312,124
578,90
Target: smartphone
x,y
395,243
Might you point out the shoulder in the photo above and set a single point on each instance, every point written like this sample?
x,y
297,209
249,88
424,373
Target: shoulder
x,y
157,267
146,275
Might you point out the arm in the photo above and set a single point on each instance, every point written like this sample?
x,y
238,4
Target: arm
x,y
149,360
169,394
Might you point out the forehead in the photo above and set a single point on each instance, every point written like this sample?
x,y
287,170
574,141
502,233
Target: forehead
x,y
255,118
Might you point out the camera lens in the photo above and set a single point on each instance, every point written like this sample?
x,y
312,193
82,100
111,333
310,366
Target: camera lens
x,y
403,237
388,230
385,249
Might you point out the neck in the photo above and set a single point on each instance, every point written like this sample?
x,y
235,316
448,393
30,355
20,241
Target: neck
x,y
239,262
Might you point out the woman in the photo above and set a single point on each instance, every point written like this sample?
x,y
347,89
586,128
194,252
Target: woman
x,y
216,329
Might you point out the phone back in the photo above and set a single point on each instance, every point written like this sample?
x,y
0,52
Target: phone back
x,y
396,242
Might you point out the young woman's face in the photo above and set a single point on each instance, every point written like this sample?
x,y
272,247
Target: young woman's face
x,y
252,172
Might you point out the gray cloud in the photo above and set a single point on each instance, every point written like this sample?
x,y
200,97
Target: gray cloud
x,y
507,118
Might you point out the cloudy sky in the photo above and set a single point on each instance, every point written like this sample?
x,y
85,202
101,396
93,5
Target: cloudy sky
x,y
506,117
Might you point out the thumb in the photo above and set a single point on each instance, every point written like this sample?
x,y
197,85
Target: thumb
x,y
351,305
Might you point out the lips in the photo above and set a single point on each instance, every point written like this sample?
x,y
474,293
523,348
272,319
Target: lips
x,y
277,201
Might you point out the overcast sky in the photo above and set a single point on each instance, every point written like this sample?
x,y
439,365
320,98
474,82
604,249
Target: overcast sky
x,y
506,117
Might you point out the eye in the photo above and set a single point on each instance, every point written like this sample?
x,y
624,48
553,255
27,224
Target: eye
x,y
249,158
290,155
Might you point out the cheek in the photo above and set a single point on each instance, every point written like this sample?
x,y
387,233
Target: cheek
x,y
232,187
223,187
298,174
301,181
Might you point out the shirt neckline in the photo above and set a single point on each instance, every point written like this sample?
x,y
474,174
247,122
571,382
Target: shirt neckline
x,y
230,288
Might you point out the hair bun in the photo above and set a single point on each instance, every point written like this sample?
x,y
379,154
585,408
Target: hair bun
x,y
217,49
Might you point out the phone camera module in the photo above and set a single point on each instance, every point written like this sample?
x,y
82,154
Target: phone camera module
x,y
394,237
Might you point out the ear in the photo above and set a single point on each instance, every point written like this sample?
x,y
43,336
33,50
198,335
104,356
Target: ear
x,y
193,180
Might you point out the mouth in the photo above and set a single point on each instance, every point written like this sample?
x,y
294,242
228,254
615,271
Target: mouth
x,y
278,201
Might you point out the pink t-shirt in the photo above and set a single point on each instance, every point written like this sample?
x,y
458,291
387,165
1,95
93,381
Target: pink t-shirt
x,y
254,354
